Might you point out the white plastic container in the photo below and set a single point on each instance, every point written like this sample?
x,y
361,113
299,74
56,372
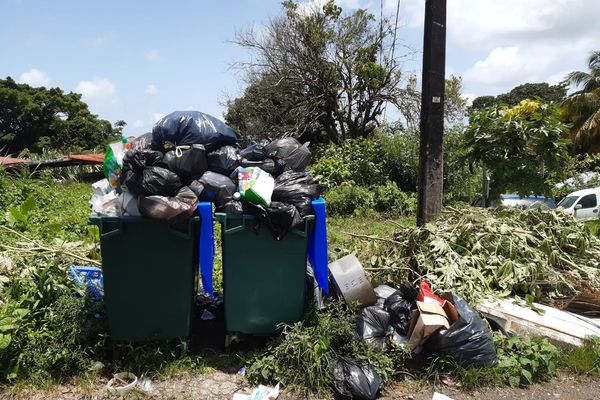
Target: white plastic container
x,y
351,281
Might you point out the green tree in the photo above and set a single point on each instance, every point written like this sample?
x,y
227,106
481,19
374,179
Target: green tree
x,y
543,91
516,144
582,108
40,118
321,76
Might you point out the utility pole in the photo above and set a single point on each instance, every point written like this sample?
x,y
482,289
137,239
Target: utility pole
x,y
431,158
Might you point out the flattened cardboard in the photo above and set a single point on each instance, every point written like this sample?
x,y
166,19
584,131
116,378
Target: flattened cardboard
x,y
425,321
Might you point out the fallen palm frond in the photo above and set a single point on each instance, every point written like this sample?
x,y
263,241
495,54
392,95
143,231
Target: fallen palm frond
x,y
479,253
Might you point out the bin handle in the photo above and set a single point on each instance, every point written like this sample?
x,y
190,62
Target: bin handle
x,y
183,235
114,232
236,228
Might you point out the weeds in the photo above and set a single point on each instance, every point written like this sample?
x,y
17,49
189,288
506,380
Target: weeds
x,y
585,359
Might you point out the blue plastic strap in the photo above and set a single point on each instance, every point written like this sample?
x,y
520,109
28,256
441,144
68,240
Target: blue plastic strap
x,y
317,245
206,246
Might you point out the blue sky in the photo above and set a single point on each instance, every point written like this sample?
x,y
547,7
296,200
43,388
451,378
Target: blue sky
x,y
140,60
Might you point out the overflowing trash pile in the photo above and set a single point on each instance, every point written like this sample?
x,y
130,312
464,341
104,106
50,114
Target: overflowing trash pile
x,y
411,317
189,157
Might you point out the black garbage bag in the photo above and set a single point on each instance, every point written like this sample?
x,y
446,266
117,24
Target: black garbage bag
x,y
255,151
372,325
142,142
303,205
137,160
355,380
213,187
187,162
172,209
400,305
468,340
282,218
183,128
151,181
295,155
223,160
273,167
231,207
293,186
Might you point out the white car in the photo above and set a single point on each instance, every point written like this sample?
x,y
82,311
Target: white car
x,y
582,204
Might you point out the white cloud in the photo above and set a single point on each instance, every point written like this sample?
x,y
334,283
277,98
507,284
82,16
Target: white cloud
x,y
156,117
34,77
99,92
151,90
152,55
100,41
139,123
557,77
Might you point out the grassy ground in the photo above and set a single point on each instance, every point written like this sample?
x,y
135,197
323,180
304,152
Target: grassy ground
x,y
59,215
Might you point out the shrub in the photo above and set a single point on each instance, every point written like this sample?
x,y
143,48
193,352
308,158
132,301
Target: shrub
x,y
347,198
390,199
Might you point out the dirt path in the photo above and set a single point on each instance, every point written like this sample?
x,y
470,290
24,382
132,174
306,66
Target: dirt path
x,y
222,386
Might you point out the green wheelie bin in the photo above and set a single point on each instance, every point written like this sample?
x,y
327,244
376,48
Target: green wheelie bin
x,y
264,280
149,271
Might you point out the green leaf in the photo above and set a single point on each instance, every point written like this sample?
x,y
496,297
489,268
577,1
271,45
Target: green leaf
x,y
514,381
28,205
527,375
4,341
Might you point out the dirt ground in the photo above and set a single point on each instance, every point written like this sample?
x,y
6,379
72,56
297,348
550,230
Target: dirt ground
x,y
222,386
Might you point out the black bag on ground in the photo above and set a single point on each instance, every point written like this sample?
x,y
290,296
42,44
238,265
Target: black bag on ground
x,y
142,142
468,340
400,305
295,155
293,186
184,128
372,325
187,162
213,187
172,209
223,160
354,380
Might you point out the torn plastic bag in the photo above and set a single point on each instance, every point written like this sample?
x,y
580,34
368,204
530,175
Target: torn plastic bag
x,y
295,155
355,380
223,160
108,204
231,207
273,167
255,151
181,206
383,292
213,187
184,128
400,305
468,340
293,186
151,181
142,142
372,325
187,161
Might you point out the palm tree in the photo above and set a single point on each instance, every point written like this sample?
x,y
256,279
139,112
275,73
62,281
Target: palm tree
x,y
582,108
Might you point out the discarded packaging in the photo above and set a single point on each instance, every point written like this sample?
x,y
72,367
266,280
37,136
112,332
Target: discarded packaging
x,y
351,281
425,321
260,393
440,396
122,382
255,186
106,204
517,318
